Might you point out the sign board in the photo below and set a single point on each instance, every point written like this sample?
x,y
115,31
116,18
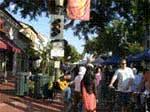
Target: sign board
x,y
57,49
57,64
57,52
58,44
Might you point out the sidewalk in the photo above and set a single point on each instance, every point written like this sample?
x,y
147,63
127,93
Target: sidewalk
x,y
27,104
11,103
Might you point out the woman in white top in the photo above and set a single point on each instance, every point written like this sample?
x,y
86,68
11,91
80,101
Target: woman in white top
x,y
77,89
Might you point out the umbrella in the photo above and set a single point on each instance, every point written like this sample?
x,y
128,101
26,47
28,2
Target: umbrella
x,y
112,60
83,62
145,55
98,61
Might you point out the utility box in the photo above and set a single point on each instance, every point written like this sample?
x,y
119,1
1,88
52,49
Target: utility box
x,y
41,86
21,84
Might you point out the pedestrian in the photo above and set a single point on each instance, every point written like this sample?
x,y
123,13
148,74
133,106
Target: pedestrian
x,y
77,89
125,78
146,82
138,74
63,83
98,78
88,87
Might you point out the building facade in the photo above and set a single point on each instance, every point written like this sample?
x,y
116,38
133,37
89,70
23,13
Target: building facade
x,y
9,50
38,42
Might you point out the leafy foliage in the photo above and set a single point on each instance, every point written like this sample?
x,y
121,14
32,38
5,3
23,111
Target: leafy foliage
x,y
125,28
71,54
46,62
112,21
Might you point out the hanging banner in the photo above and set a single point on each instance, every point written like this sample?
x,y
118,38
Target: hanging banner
x,y
78,9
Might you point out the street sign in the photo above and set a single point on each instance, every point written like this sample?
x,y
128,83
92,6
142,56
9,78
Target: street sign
x,y
57,52
58,44
57,64
56,27
57,48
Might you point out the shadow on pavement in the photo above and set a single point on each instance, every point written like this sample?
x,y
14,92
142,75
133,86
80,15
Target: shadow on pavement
x,y
31,105
8,92
25,103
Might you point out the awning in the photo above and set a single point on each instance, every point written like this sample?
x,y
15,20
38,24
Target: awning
x,y
8,44
16,50
3,45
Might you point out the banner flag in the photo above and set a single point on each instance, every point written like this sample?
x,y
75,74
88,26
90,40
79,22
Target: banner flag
x,y
78,9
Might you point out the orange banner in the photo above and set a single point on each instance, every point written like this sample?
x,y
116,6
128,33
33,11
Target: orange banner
x,y
78,9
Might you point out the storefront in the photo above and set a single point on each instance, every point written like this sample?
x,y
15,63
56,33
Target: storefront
x,y
8,53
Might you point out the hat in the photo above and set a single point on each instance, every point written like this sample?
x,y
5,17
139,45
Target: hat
x,y
82,70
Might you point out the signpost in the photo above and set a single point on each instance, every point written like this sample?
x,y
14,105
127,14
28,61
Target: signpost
x,y
56,35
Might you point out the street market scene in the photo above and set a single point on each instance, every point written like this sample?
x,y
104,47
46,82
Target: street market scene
x,y
74,55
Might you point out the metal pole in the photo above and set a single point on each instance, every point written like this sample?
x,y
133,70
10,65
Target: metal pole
x,y
59,11
56,67
56,71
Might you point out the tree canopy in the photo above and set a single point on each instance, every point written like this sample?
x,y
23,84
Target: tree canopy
x,y
118,24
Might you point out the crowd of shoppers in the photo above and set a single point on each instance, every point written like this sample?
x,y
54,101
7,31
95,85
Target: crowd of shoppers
x,y
88,83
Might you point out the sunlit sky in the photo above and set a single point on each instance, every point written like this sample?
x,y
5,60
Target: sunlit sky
x,y
42,25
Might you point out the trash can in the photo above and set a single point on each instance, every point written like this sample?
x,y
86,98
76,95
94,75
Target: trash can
x,y
41,86
21,84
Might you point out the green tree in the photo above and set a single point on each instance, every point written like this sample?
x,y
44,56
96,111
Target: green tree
x,y
135,13
46,65
124,19
71,54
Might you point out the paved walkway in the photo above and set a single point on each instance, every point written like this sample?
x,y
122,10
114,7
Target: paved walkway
x,y
11,103
28,104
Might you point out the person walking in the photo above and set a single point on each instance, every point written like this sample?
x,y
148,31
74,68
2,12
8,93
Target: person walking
x,y
138,78
98,77
146,82
125,78
77,89
88,87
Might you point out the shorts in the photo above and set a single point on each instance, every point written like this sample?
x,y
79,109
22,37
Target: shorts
x,y
124,98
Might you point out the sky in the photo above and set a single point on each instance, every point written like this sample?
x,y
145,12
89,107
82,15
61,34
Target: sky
x,y
42,25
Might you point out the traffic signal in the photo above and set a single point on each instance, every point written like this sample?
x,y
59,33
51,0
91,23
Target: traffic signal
x,y
57,26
